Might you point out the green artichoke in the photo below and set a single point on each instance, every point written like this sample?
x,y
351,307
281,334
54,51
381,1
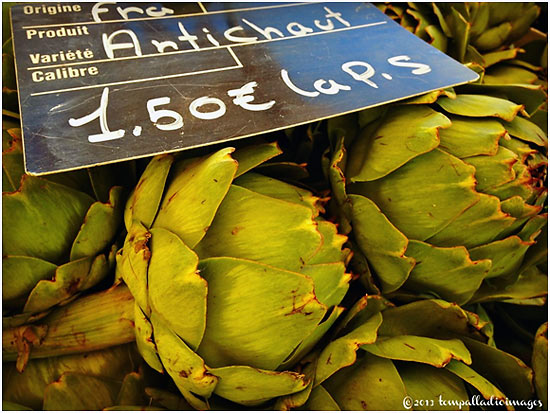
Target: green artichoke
x,y
86,381
234,274
445,195
387,358
494,39
61,232
82,359
465,30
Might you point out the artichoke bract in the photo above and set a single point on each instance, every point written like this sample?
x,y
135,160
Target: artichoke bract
x,y
234,274
59,231
445,194
386,355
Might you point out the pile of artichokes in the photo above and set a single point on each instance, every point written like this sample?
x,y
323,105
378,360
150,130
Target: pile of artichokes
x,y
390,259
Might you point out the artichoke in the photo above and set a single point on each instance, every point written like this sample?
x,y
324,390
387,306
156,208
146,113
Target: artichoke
x,y
85,381
61,232
386,357
465,31
494,39
234,274
83,357
445,195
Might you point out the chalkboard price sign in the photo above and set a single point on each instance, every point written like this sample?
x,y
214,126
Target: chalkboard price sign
x,y
103,82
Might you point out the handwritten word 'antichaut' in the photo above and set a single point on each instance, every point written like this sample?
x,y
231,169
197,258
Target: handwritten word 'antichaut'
x,y
249,32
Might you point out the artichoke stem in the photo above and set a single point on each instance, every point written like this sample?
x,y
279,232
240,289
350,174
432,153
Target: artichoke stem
x,y
90,323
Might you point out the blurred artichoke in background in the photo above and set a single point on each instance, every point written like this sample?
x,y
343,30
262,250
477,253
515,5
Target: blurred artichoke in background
x,y
234,274
467,32
430,351
495,39
84,381
59,232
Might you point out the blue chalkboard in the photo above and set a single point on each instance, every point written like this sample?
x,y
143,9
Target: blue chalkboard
x,y
103,82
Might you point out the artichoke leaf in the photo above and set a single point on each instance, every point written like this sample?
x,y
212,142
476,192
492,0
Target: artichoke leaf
x,y
132,390
461,33
522,21
100,226
520,186
12,157
187,369
526,131
251,386
21,274
251,156
470,376
331,250
387,148
446,320
493,171
382,243
320,399
194,193
471,137
342,352
504,74
480,18
532,96
101,266
331,281
143,203
133,262
492,58
76,391
519,209
260,228
372,383
428,98
286,171
173,279
436,37
338,184
506,371
237,333
480,106
309,343
67,281
435,352
145,341
425,382
46,232
522,149
507,254
480,224
298,399
493,37
278,189
531,283
449,272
